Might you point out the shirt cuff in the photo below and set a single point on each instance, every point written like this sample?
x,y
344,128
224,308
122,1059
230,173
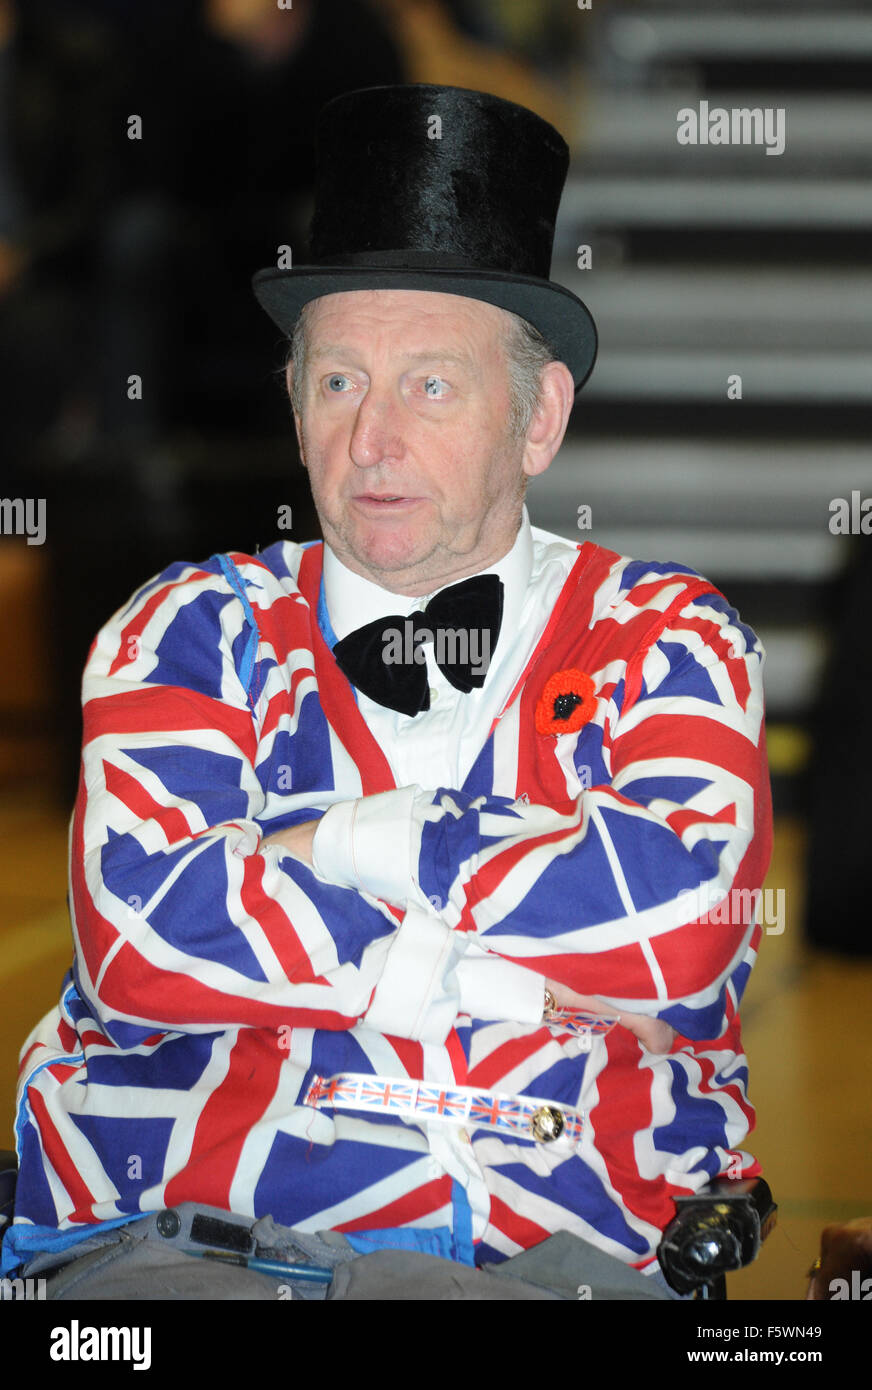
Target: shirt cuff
x,y
416,996
367,845
493,988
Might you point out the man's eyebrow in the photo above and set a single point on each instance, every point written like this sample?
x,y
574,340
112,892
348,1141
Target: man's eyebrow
x,y
439,355
425,355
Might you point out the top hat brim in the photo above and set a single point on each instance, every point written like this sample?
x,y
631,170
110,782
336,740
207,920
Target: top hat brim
x,y
563,320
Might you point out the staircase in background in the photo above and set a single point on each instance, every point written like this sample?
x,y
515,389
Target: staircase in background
x,y
716,262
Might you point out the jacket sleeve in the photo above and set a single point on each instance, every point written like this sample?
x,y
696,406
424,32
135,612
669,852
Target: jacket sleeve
x,y
643,889
182,921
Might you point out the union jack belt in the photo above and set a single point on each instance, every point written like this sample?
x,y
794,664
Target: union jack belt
x,y
523,1117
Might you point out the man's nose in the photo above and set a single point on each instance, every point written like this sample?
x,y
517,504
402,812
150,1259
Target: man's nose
x,y
377,435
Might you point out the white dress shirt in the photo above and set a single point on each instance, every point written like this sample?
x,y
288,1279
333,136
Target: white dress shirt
x,y
367,844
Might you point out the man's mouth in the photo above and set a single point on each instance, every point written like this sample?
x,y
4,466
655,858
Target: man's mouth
x,y
384,499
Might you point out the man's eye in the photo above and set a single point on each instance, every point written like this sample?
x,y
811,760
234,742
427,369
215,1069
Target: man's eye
x,y
435,387
337,382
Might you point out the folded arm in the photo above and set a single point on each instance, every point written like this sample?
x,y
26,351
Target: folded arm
x,y
603,894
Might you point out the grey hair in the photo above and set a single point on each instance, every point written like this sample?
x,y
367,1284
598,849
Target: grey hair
x,y
527,355
297,359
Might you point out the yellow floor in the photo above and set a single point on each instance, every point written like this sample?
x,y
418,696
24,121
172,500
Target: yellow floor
x,y
806,1034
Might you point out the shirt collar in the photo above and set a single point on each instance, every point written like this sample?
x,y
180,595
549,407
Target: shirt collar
x,y
353,601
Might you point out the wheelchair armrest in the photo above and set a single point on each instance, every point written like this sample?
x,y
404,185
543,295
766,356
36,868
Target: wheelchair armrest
x,y
716,1230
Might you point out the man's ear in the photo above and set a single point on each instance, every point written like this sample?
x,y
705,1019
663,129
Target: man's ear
x,y
548,426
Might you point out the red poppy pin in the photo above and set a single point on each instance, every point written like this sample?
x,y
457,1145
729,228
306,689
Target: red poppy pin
x,y
567,702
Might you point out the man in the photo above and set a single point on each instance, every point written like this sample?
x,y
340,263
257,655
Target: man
x,y
393,856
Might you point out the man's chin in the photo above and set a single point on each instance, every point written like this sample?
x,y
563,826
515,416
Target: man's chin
x,y
382,552
389,567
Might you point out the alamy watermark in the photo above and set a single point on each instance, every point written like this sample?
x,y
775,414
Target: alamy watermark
x,y
77,1343
462,646
859,1288
740,125
852,518
28,1290
740,905
21,516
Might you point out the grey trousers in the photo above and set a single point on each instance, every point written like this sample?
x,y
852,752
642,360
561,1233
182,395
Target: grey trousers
x,y
156,1258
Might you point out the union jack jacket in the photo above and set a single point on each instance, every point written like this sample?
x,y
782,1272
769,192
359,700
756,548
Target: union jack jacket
x,y
212,1042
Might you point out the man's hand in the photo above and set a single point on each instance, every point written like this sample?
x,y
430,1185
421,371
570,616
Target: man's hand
x,y
297,839
652,1033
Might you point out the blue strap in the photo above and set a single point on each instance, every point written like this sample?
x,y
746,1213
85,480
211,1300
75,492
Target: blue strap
x,y
327,631
324,619
21,1242
436,1241
237,584
463,1243
453,1245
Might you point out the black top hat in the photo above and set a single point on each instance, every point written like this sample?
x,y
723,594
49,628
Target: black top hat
x,y
438,188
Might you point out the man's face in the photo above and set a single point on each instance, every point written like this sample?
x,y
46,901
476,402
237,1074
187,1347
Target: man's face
x,y
404,432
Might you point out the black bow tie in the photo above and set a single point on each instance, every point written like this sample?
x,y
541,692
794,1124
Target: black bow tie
x,y
386,659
